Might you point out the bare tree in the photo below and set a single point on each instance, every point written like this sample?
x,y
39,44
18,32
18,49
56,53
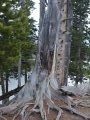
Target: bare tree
x,y
52,60
63,42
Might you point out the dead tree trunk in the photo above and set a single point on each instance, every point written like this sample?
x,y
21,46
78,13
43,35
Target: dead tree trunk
x,y
51,29
48,35
42,13
54,50
43,77
63,42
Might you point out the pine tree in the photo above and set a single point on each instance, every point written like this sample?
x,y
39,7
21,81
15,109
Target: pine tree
x,y
79,46
17,31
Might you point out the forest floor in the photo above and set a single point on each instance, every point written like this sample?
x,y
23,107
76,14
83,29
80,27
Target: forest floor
x,y
52,113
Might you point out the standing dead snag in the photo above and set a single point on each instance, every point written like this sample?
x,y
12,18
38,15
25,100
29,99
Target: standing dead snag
x,y
38,87
55,24
63,42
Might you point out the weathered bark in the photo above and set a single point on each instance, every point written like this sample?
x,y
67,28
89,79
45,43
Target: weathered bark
x,y
48,35
39,84
56,25
63,41
79,90
42,13
48,40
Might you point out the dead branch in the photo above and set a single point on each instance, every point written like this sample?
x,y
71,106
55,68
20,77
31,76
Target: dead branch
x,y
10,93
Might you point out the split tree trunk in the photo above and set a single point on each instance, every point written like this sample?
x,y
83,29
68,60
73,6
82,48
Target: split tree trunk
x,y
54,31
43,77
47,38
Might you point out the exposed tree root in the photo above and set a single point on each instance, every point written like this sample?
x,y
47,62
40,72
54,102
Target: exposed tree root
x,y
84,105
16,115
76,112
53,106
22,109
3,117
42,93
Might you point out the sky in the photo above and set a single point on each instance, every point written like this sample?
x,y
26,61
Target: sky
x,y
35,13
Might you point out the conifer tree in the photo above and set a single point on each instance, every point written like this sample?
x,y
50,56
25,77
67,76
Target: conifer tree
x,y
80,40
17,31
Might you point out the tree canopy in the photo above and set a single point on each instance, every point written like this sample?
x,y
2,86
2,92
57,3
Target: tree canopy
x,y
80,46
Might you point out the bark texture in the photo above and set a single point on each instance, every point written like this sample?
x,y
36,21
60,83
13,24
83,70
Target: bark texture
x,y
63,41
56,28
48,35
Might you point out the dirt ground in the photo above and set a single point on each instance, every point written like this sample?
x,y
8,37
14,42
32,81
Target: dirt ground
x,y
52,114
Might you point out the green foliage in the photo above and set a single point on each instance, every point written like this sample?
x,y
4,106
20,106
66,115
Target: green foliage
x,y
80,47
17,30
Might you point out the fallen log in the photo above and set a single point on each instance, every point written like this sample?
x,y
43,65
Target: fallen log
x,y
10,93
